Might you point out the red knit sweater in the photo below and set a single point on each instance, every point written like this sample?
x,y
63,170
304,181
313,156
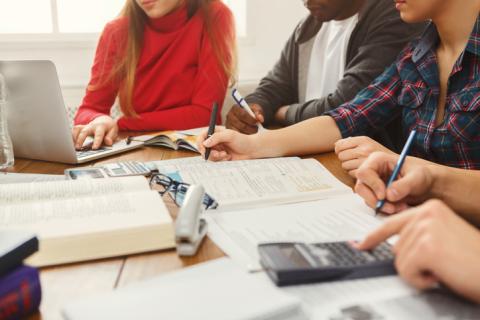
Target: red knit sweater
x,y
178,76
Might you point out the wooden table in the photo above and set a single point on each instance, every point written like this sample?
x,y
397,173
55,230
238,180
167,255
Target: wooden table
x,y
66,283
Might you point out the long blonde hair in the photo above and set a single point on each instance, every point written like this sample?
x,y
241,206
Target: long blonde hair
x,y
124,69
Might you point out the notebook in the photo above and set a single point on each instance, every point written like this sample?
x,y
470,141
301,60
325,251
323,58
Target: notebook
x,y
216,290
77,220
256,183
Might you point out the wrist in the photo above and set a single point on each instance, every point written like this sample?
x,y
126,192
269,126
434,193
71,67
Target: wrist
x,y
439,176
264,146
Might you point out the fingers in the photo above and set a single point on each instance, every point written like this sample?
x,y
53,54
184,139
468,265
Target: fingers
x,y
238,119
218,138
258,111
348,143
203,136
84,133
412,268
353,164
76,131
391,227
404,186
369,176
98,137
111,136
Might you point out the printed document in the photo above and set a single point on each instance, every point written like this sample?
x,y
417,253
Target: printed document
x,y
254,183
238,233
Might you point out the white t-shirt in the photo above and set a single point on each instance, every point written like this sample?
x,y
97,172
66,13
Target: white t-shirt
x,y
328,58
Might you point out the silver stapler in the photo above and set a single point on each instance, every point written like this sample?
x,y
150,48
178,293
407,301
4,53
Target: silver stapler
x,y
190,228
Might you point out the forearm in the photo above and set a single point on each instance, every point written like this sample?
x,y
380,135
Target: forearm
x,y
458,188
315,135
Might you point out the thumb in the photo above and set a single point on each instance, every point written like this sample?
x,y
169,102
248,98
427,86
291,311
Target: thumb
x,y
403,187
225,136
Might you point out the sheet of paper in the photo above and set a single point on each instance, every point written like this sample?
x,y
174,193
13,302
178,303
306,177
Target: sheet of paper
x,y
216,290
238,233
324,299
34,191
384,298
7,178
254,183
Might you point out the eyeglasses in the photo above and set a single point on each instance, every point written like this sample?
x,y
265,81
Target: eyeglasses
x,y
177,190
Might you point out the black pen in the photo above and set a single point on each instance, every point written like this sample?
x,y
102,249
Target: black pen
x,y
211,127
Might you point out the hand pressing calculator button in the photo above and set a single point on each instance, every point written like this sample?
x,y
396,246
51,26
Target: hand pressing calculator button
x,y
297,263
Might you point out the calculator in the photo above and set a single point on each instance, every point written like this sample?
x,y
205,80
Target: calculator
x,y
110,170
126,168
300,263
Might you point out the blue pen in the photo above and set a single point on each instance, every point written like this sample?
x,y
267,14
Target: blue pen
x,y
244,105
397,168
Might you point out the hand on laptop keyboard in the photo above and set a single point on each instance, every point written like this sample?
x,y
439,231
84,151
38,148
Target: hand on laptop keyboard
x,y
103,129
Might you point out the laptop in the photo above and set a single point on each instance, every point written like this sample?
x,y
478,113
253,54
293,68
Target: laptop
x,y
37,119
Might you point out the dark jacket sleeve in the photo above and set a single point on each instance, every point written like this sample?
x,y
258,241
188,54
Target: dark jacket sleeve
x,y
373,47
279,87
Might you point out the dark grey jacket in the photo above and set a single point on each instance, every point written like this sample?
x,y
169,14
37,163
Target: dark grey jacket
x,y
374,44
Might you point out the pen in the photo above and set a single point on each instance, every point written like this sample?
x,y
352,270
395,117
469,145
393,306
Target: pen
x,y
211,127
129,140
397,168
242,103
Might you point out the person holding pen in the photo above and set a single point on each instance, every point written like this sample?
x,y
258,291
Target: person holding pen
x,y
433,86
336,51
436,243
166,61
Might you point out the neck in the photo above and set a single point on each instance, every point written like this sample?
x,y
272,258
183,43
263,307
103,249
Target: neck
x,y
455,23
351,10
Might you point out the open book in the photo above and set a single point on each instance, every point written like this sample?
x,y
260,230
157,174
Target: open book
x,y
78,220
254,183
171,139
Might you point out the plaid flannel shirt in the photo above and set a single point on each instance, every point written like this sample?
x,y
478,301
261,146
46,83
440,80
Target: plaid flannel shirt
x,y
411,88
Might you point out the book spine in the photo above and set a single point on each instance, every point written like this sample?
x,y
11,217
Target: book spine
x,y
20,293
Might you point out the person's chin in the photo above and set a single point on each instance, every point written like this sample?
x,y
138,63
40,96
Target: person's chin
x,y
410,17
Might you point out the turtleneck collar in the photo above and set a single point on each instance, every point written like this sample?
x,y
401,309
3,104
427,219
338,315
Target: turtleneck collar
x,y
172,21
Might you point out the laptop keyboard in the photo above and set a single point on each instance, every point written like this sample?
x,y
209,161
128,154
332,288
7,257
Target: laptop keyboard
x,y
87,153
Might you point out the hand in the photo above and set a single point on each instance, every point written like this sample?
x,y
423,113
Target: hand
x,y
435,245
104,130
240,120
411,187
227,145
281,115
352,152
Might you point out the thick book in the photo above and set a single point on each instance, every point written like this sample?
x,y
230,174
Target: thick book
x,y
78,220
15,246
20,293
254,183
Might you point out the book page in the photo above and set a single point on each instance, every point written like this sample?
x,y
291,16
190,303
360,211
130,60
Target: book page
x,y
65,189
250,183
238,233
67,217
7,178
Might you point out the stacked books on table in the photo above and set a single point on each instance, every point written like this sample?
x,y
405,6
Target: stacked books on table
x,y
20,291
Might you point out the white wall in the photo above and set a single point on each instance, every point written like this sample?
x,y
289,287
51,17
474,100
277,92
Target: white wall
x,y
270,24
